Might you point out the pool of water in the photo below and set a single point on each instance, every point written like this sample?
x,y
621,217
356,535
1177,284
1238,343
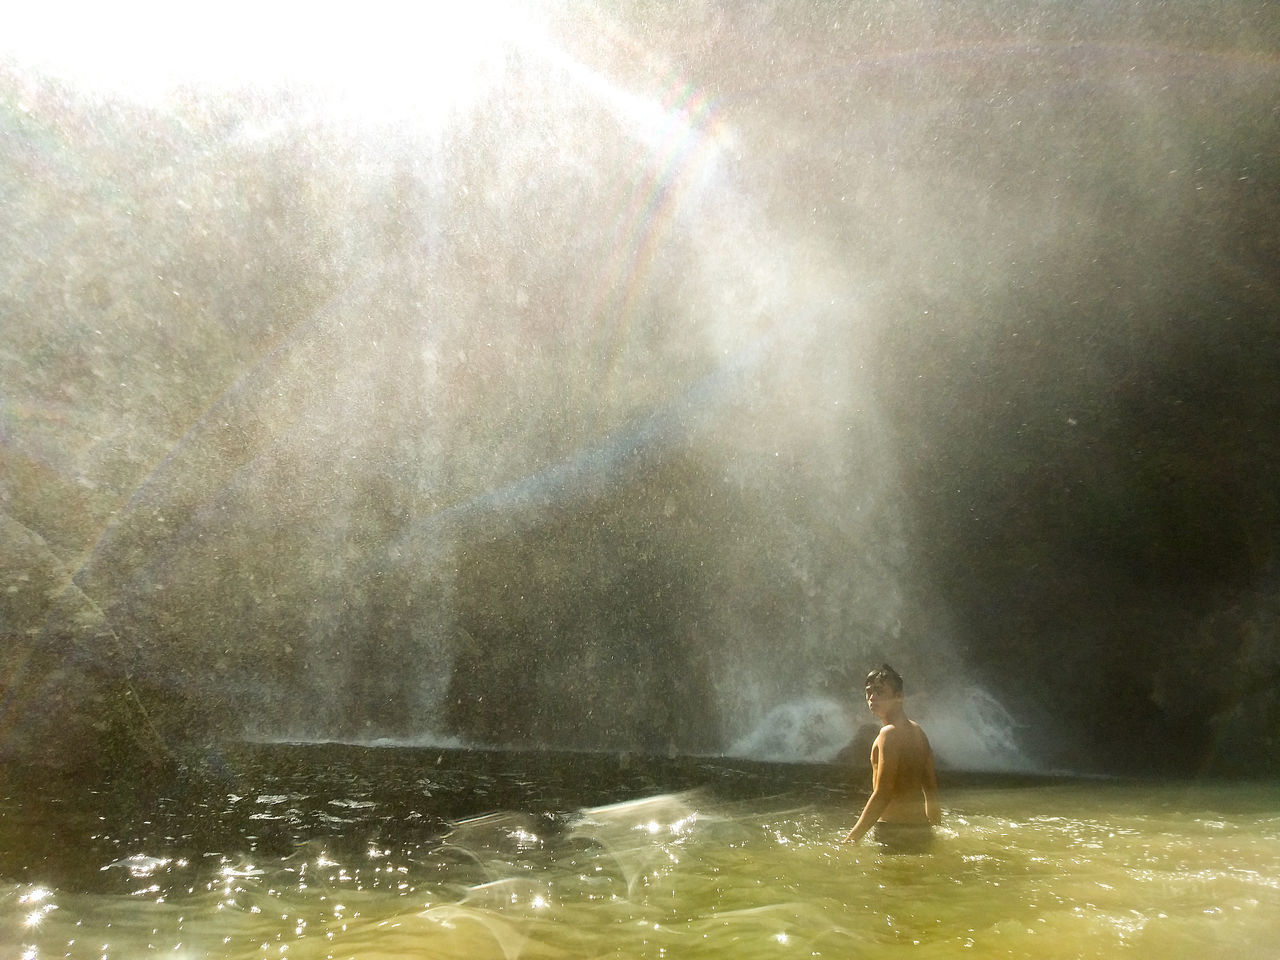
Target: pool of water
x,y
329,851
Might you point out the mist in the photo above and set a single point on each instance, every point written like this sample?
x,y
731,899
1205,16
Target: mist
x,y
635,378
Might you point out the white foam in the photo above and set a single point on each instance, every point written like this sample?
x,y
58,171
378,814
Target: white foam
x,y
812,730
968,728
971,730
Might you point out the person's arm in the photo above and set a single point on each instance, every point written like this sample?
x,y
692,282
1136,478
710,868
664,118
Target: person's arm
x,y
932,806
883,781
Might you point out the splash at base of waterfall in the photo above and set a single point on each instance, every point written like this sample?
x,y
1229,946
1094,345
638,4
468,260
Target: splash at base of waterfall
x,y
968,728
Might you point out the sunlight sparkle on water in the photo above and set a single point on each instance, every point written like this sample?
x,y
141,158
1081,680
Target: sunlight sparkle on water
x,y
1007,878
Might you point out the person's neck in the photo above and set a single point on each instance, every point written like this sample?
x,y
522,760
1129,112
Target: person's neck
x,y
895,716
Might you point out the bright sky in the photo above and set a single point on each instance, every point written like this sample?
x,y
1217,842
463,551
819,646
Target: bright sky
x,y
390,54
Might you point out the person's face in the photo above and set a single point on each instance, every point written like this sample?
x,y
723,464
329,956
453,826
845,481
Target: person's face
x,y
881,699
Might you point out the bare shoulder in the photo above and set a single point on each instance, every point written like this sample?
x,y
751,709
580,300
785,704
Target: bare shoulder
x,y
921,742
908,737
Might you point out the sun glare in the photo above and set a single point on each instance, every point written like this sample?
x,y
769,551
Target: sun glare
x,y
375,60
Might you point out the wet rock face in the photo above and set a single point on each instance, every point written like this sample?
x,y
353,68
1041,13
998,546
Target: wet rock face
x,y
603,656
587,635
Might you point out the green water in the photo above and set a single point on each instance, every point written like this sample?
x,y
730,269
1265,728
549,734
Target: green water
x,y
340,853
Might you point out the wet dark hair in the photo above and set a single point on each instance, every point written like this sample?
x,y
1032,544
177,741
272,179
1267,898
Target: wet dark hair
x,y
884,676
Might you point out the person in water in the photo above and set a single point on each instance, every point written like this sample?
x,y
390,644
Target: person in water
x,y
903,806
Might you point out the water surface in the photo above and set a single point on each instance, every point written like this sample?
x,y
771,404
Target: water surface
x,y
343,852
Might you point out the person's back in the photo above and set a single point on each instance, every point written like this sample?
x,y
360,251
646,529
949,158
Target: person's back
x,y
904,784
913,772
